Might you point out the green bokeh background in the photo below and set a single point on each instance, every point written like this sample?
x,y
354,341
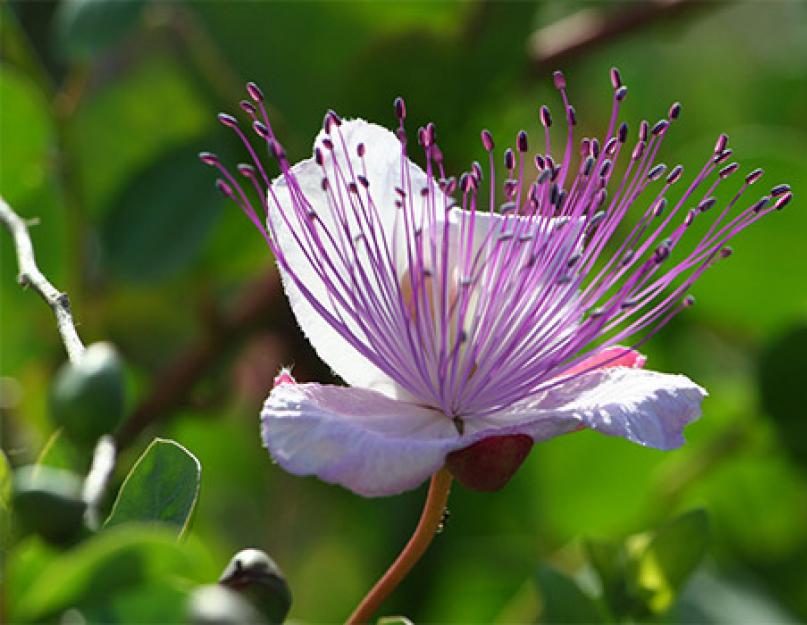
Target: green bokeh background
x,y
101,120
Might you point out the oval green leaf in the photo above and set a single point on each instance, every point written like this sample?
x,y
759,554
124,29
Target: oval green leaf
x,y
162,487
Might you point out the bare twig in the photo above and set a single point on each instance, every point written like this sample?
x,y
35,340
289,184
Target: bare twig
x,y
591,27
30,275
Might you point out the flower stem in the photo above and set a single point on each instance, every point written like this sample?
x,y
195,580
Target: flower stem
x,y
427,527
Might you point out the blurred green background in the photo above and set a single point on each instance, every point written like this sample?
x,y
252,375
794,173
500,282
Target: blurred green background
x,y
104,106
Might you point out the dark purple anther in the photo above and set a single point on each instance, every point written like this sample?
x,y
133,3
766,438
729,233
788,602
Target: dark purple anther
x,y
353,187
324,184
660,206
559,80
545,175
327,123
255,92
554,193
588,165
571,115
623,132
546,116
675,110
509,159
360,150
465,182
690,217
335,117
660,127
675,174
246,170
657,171
401,134
594,148
476,170
228,120
451,185
224,188
728,170
540,163
600,198
621,93
248,107
487,140
616,78
706,204
726,252
422,139
610,147
318,159
721,143
605,168
761,203
662,252
644,128
783,201
431,133
723,156
638,151
260,129
208,158
780,189
754,175
400,108
521,141
688,301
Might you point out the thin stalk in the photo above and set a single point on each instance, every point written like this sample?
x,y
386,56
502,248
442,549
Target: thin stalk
x,y
427,527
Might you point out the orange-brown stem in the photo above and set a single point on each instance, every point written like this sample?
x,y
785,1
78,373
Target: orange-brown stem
x,y
429,523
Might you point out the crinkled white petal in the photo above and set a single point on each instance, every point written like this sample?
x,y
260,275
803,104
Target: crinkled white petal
x,y
358,438
646,407
383,171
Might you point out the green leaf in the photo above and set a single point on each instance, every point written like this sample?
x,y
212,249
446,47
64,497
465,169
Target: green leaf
x,y
86,27
562,599
609,560
665,559
47,502
161,217
87,397
5,481
113,570
162,487
394,620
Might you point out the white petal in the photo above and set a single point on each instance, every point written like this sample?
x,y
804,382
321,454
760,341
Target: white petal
x,y
645,407
360,439
383,171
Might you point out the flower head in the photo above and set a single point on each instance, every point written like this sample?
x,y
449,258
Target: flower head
x,y
472,316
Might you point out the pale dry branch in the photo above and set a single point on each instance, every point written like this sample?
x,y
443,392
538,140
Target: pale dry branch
x,y
30,276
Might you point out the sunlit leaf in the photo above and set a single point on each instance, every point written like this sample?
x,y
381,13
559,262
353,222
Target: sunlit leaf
x,y
665,559
162,487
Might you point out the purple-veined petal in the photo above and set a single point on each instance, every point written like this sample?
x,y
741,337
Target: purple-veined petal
x,y
646,407
358,438
344,241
